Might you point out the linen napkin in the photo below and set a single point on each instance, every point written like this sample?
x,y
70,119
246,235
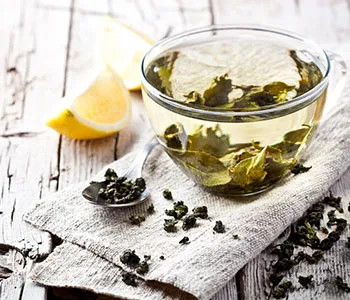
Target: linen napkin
x,y
94,238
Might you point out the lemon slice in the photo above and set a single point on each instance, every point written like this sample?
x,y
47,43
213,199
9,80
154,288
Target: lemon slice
x,y
102,110
122,48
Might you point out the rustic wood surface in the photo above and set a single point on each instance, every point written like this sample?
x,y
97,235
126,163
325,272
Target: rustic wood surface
x,y
46,52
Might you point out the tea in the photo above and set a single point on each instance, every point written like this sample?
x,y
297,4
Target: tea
x,y
244,154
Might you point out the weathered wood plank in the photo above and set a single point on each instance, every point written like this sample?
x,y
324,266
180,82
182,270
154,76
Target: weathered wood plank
x,y
66,161
32,72
80,159
325,21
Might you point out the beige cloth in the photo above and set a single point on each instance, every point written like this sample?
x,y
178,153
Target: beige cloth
x,y
95,237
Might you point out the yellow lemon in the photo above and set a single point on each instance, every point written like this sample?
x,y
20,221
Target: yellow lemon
x,y
103,109
122,48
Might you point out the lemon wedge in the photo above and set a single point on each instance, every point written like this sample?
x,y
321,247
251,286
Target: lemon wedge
x,y
102,110
122,48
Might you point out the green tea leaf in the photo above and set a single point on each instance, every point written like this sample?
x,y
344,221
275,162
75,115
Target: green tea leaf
x,y
210,179
205,168
279,90
276,166
209,140
239,153
164,75
160,72
258,96
250,170
217,93
309,72
194,98
214,96
175,137
292,141
296,136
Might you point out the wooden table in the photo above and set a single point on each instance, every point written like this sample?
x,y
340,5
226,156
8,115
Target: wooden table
x,y
46,50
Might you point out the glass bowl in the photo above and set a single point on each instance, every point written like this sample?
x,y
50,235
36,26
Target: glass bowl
x,y
236,151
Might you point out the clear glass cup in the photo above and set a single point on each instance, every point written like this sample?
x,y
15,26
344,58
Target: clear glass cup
x,y
287,126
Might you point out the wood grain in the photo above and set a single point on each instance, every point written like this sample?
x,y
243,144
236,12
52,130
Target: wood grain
x,y
28,151
49,52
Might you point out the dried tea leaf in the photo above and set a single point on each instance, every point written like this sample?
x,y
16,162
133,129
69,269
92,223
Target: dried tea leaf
x,y
129,279
170,225
179,210
200,212
167,194
189,222
129,258
219,227
305,281
299,168
184,240
137,220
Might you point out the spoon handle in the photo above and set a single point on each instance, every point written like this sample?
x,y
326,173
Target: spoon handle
x,y
135,169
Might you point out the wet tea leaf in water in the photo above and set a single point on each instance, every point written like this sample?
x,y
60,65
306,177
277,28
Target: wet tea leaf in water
x,y
249,170
209,140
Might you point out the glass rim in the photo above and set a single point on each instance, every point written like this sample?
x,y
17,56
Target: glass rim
x,y
219,112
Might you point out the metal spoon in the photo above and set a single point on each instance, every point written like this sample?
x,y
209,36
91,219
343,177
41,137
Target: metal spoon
x,y
135,170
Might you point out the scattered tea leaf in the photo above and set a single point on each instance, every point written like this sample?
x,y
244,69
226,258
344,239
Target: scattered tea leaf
x,y
143,267
334,202
305,281
299,168
150,209
136,220
179,210
184,240
129,279
129,258
200,212
347,244
189,222
281,291
167,194
342,285
170,225
219,227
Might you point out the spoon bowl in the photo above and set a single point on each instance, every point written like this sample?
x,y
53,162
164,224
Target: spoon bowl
x,y
91,193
